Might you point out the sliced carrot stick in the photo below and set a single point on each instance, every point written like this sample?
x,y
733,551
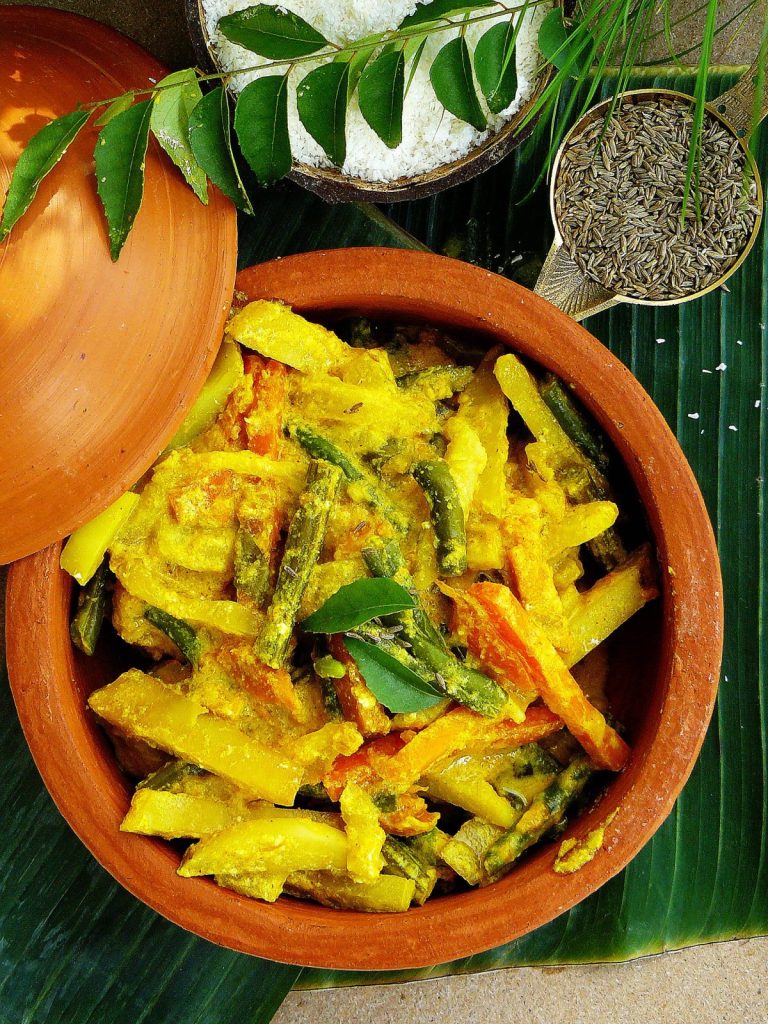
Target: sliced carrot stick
x,y
263,421
464,731
506,633
357,702
362,767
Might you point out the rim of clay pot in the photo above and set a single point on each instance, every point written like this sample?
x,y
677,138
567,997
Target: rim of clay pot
x,y
103,359
335,187
79,769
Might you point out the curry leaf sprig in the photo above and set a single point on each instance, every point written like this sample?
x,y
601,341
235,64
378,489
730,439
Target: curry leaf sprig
x,y
196,130
391,679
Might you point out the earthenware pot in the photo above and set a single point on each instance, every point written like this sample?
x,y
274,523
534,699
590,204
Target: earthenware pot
x,y
665,661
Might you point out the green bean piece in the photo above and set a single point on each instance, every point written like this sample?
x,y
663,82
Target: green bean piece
x,y
435,479
403,860
171,776
251,567
321,447
303,545
437,382
180,632
91,605
544,814
466,850
440,669
458,681
532,760
331,701
588,440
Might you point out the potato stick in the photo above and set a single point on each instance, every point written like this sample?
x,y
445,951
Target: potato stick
x,y
610,602
472,793
366,837
520,644
176,815
270,845
580,524
143,707
463,731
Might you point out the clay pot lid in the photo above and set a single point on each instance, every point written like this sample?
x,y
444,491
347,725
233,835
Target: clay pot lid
x,y
99,361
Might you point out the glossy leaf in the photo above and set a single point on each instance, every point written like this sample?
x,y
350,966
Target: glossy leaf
x,y
380,95
261,124
321,100
271,32
438,9
211,144
392,684
495,65
42,153
120,151
178,95
413,51
356,603
115,107
566,48
451,77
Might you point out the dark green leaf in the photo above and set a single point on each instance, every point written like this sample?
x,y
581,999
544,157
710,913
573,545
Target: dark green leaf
x,y
209,137
380,95
42,153
495,66
451,77
177,97
271,32
357,63
120,151
392,684
441,9
356,603
115,107
321,99
261,124
562,46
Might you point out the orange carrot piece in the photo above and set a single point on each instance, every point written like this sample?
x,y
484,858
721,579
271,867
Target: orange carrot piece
x,y
269,685
263,421
461,731
410,817
357,702
516,642
362,767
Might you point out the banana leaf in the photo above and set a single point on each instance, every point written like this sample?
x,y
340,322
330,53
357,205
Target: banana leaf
x,y
75,948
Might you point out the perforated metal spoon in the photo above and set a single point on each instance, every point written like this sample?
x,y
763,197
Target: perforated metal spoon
x,y
565,284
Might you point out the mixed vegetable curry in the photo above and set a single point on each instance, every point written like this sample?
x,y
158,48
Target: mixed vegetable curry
x,y
368,585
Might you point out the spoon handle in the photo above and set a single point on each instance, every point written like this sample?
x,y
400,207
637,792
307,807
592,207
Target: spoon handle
x,y
562,283
742,103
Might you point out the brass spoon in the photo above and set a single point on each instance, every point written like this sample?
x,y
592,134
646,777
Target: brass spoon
x,y
564,284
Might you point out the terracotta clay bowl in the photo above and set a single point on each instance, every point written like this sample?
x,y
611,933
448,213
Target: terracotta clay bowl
x,y
665,668
334,187
98,360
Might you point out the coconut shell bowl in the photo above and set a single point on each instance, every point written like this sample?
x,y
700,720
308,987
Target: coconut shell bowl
x,y
664,669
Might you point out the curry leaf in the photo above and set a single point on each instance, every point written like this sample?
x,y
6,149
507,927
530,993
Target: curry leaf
x,y
451,77
321,100
392,684
115,107
261,124
380,95
569,49
414,51
177,97
120,151
209,138
271,32
442,9
495,65
42,153
356,603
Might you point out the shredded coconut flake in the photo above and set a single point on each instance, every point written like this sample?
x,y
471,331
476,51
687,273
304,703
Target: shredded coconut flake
x,y
661,341
431,136
693,415
721,367
732,427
